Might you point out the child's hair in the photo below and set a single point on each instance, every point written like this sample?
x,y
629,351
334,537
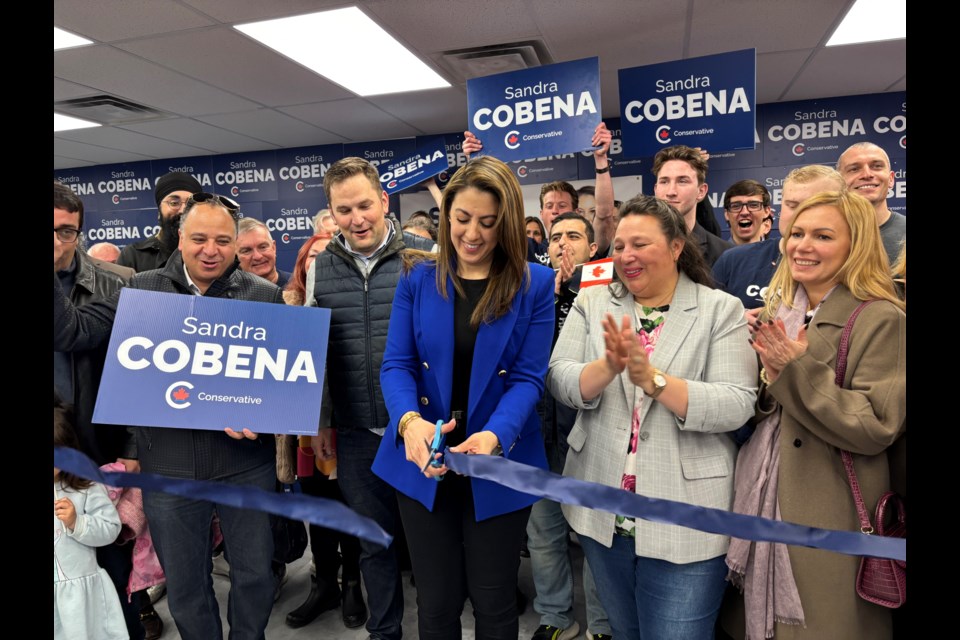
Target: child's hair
x,y
65,436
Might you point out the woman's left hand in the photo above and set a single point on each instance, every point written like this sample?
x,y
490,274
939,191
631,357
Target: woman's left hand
x,y
483,442
638,365
240,435
775,348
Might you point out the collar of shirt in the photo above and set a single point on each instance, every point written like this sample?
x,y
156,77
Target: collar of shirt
x,y
194,288
391,232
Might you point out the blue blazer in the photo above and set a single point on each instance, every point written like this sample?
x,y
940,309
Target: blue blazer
x,y
507,379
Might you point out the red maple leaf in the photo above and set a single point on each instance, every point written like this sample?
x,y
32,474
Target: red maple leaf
x,y
180,394
597,271
513,139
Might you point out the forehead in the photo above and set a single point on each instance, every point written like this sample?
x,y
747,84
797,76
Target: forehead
x,y
558,196
863,155
62,216
676,169
826,216
747,198
255,235
183,195
642,224
568,226
208,218
355,188
802,191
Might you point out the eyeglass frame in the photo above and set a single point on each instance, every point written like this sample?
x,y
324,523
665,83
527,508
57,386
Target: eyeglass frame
x,y
740,205
76,237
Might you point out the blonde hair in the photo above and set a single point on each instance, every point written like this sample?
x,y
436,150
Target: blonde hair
x,y
865,272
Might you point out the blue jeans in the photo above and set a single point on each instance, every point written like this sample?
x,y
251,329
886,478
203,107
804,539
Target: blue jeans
x,y
370,496
181,534
549,543
652,599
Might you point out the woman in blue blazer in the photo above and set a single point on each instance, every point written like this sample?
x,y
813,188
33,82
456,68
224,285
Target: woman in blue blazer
x,y
469,341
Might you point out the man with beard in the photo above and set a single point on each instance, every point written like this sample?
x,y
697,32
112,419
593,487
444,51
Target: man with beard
x,y
171,193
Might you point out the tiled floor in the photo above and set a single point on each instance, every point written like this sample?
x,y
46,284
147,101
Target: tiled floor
x,y
329,625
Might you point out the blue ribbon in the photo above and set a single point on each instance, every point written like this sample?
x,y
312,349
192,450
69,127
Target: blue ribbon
x,y
318,511
591,495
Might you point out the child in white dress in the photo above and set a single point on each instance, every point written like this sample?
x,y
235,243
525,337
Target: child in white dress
x,y
85,605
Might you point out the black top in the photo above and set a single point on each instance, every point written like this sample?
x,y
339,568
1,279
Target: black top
x,y
464,339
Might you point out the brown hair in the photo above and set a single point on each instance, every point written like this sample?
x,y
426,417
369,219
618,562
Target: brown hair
x,y
509,270
560,185
65,436
672,225
685,154
64,198
345,169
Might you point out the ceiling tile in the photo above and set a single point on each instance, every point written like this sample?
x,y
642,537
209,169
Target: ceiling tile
x,y
356,120
62,162
435,111
92,153
273,126
189,131
871,68
131,141
110,20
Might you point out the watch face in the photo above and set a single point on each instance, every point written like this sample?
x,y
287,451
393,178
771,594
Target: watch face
x,y
659,380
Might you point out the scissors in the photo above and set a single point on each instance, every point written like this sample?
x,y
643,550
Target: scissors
x,y
439,438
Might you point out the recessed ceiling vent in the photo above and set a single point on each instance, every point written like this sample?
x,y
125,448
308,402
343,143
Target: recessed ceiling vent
x,y
477,62
107,109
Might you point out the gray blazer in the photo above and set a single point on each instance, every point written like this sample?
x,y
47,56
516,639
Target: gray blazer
x,y
703,341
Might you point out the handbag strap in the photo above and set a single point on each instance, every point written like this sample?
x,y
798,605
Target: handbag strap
x,y
847,457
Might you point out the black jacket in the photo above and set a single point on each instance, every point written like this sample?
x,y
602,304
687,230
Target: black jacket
x,y
182,453
145,255
102,442
360,316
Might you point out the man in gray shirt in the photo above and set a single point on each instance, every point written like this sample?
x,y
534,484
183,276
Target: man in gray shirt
x,y
866,169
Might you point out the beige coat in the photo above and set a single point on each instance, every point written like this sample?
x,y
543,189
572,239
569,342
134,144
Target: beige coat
x,y
817,420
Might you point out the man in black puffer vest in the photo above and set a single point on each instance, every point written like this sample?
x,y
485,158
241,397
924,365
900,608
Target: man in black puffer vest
x,y
355,277
206,265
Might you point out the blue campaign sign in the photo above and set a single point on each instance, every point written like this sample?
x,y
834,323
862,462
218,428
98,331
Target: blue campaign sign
x,y
291,224
816,131
200,167
707,102
456,158
619,165
300,172
82,180
193,362
126,186
428,159
378,152
738,159
545,111
119,227
897,195
546,169
246,177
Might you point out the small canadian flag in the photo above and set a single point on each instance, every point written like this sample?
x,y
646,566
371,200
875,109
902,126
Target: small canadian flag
x,y
597,272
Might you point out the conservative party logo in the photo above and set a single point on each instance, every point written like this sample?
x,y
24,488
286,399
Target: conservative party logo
x,y
903,142
799,149
115,199
177,394
522,171
285,238
392,184
663,134
511,140
299,185
234,190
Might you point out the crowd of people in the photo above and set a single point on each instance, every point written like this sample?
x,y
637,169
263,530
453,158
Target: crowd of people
x,y
704,373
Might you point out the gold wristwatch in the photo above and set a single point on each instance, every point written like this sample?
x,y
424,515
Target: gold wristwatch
x,y
659,383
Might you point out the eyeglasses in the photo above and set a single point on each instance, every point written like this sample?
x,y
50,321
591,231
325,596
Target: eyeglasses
x,y
67,234
174,203
752,205
202,197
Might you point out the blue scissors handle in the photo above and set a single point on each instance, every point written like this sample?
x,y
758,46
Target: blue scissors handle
x,y
438,440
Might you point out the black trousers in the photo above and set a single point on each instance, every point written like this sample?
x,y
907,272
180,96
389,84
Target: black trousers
x,y
454,556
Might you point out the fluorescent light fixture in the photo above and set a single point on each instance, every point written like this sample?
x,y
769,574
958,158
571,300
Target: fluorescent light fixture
x,y
66,123
872,21
64,39
347,47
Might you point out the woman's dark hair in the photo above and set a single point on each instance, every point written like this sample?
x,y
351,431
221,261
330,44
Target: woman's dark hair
x,y
65,436
543,230
672,225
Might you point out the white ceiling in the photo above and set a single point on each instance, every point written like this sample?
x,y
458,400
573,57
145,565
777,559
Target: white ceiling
x,y
225,93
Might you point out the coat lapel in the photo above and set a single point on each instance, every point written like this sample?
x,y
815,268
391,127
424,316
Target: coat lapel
x,y
491,341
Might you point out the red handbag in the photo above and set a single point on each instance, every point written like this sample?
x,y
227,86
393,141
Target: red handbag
x,y
879,580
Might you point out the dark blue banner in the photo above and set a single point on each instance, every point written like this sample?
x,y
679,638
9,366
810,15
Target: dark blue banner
x,y
246,177
818,131
546,169
545,111
119,227
456,158
126,186
300,172
738,159
378,152
200,167
619,165
291,224
897,195
83,181
194,362
428,159
707,102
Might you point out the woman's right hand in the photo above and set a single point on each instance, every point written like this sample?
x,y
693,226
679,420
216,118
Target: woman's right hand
x,y
617,340
417,439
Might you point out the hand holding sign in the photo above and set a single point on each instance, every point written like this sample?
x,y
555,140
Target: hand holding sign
x,y
601,140
240,435
471,144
